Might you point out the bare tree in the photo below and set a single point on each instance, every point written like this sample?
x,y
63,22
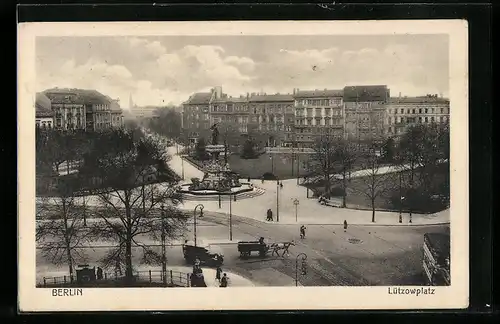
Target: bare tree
x,y
409,157
129,209
60,230
374,182
324,160
345,156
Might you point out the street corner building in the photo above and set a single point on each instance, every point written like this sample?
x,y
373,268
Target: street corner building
x,y
77,109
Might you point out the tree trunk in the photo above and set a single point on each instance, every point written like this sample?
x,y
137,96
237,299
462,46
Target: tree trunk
x,y
67,240
327,185
129,275
344,189
373,210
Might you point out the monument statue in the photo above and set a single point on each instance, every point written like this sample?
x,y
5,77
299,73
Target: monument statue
x,y
215,134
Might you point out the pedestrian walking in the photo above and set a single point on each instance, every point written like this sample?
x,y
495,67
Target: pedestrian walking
x,y
262,180
223,281
248,179
345,225
302,232
99,273
218,273
269,215
281,184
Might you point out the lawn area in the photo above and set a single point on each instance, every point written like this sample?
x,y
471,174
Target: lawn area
x,y
280,165
357,199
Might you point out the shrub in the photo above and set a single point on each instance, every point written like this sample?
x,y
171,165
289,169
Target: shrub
x,y
269,176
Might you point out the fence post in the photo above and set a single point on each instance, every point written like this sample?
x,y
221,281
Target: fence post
x,y
64,279
149,276
171,278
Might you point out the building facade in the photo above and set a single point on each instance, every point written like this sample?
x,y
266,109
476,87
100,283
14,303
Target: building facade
x,y
403,112
364,111
273,114
356,113
270,115
44,117
315,111
196,114
83,109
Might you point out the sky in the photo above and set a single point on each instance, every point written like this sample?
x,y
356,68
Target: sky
x,y
166,70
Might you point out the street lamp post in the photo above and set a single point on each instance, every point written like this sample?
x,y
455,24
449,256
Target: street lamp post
x,y
303,258
230,217
163,250
194,219
400,199
182,167
296,203
277,200
298,167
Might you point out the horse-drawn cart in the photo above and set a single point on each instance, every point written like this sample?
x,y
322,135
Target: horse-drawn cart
x,y
247,247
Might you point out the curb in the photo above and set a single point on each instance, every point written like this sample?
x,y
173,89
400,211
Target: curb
x,y
218,214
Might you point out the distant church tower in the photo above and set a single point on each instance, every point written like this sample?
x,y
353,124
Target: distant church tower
x,y
130,102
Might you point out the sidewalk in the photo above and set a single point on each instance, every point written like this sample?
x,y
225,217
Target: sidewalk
x,y
309,211
209,274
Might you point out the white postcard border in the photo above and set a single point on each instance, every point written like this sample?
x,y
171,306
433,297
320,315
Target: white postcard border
x,y
33,299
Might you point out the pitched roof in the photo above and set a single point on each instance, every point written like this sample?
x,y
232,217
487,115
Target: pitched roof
x,y
42,102
366,93
81,96
199,98
319,93
418,100
272,97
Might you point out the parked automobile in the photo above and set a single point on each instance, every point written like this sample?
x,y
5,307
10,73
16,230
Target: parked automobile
x,y
206,254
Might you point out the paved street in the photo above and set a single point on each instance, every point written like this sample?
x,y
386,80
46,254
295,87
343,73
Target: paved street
x,y
382,256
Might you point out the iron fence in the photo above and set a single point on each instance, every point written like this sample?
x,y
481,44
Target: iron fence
x,y
172,278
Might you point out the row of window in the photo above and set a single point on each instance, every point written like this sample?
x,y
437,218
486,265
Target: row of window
x,y
397,120
319,122
319,102
419,111
318,112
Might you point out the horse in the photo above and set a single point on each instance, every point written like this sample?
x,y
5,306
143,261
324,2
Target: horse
x,y
283,246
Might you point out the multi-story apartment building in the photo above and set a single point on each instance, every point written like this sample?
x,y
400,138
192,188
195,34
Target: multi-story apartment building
x,y
315,111
406,111
364,109
273,114
44,117
116,113
69,107
259,113
196,114
82,109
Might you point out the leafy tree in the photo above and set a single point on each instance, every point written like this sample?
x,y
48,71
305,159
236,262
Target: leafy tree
x,y
200,150
248,151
